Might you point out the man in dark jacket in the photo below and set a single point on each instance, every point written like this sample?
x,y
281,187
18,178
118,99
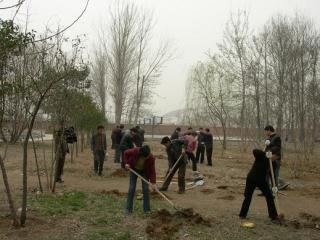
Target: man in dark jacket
x,y
175,151
176,133
139,137
116,138
142,161
273,140
99,149
256,178
127,142
201,147
208,142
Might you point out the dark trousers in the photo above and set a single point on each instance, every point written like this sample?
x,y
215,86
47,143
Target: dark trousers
x,y
264,187
181,167
117,153
209,150
200,153
60,165
132,189
99,157
193,160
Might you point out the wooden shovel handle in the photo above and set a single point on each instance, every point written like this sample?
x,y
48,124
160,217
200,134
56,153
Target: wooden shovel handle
x,y
156,189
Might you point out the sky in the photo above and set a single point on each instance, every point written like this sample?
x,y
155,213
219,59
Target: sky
x,y
193,27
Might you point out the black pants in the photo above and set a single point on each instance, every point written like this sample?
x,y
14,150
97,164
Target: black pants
x,y
60,165
99,157
209,150
193,160
117,153
181,167
200,153
264,187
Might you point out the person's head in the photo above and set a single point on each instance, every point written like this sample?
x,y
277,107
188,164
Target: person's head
x,y
137,127
117,126
189,128
207,130
100,129
276,153
200,129
166,141
121,126
133,131
144,151
269,130
178,129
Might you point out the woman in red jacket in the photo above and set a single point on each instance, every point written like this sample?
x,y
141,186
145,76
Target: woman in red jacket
x,y
141,160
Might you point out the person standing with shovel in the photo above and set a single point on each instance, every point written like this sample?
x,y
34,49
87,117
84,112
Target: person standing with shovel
x,y
142,162
177,161
257,179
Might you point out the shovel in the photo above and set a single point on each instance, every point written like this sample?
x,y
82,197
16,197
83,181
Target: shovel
x,y
274,188
171,169
156,189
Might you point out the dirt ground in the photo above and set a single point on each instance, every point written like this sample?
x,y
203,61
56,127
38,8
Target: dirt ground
x,y
219,198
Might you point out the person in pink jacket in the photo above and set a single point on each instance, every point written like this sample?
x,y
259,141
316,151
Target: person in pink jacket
x,y
192,144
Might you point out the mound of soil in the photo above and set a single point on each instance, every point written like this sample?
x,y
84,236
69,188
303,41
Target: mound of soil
x,y
165,225
224,187
309,217
113,192
120,173
207,191
227,197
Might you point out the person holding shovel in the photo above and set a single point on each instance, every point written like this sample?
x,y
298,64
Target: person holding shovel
x,y
142,162
177,161
256,178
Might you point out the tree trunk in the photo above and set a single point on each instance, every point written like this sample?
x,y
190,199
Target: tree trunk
x,y
37,164
9,195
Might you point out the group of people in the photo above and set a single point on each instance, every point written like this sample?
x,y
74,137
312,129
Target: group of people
x,y
135,156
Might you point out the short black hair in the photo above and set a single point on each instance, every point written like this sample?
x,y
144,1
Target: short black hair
x,y
144,151
269,128
165,140
137,127
121,126
178,129
207,129
117,126
200,128
100,127
134,130
189,128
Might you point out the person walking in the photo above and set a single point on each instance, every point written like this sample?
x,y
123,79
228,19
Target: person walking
x,y
208,142
99,149
201,147
141,161
176,152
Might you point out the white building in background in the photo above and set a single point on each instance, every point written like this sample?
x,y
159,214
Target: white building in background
x,y
173,117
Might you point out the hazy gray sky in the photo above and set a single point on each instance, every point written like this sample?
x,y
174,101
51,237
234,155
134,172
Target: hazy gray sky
x,y
193,26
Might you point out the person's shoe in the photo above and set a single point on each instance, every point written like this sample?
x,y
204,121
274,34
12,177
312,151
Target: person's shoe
x,y
162,189
260,195
147,212
283,186
242,217
181,191
276,221
210,165
100,174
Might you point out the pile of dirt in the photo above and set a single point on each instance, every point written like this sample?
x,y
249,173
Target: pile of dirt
x,y
114,192
207,191
120,173
224,187
164,225
209,175
227,197
306,221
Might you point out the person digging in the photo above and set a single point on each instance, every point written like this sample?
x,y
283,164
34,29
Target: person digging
x,y
141,161
177,162
256,178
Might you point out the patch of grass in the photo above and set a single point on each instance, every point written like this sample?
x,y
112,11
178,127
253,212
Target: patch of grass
x,y
107,234
63,204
